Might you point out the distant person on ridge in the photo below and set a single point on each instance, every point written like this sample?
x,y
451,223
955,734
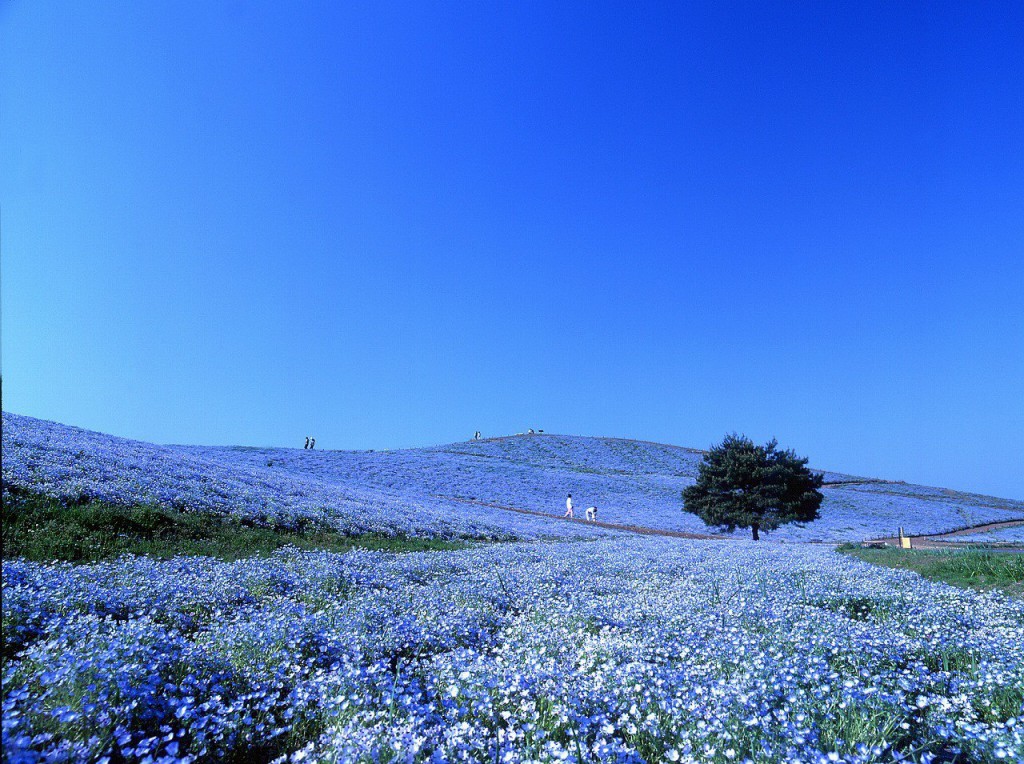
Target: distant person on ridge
x,y
568,507
307,442
312,442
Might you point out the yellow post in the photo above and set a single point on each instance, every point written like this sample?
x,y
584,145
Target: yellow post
x,y
904,540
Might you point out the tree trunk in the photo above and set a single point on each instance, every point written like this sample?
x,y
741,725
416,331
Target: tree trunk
x,y
754,529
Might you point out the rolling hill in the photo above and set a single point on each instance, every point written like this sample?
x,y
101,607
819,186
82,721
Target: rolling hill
x,y
426,491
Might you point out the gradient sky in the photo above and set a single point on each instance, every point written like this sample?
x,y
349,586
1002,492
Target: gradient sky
x,y
388,225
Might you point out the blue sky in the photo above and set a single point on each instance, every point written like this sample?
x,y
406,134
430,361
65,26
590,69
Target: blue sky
x,y
394,224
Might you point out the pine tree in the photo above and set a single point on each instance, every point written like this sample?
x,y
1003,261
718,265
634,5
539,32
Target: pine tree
x,y
744,485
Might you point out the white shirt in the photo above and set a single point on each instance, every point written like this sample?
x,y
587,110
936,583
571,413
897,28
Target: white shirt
x,y
568,503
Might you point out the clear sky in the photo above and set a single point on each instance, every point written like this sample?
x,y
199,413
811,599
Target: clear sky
x,y
395,224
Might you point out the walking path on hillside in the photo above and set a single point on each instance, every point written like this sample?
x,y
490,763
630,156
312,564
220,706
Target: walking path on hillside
x,y
935,540
611,526
924,541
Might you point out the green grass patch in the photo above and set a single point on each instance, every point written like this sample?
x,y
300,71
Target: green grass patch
x,y
44,529
968,568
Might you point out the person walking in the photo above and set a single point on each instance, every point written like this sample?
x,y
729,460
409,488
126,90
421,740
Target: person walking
x,y
312,443
307,442
568,506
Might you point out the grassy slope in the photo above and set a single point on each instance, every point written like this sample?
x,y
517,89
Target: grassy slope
x,y
41,528
966,568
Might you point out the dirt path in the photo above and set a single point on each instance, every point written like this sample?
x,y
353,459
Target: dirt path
x,y
856,481
611,526
935,540
926,541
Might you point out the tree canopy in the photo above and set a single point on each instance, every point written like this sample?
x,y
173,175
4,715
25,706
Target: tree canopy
x,y
745,485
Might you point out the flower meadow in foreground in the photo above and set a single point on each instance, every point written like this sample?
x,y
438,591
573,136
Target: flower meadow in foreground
x,y
625,650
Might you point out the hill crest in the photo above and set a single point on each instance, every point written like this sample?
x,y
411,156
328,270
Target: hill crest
x,y
423,491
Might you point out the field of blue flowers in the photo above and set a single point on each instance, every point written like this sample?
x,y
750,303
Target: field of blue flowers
x,y
628,649
72,463
568,644
1013,534
421,491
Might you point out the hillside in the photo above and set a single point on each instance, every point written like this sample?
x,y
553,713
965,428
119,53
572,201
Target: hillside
x,y
423,491
74,464
622,647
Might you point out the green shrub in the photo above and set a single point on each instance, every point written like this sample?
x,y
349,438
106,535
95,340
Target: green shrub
x,y
41,528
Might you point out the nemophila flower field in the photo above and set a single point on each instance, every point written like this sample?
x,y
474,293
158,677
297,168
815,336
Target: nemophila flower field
x,y
627,649
1013,534
420,491
603,646
72,463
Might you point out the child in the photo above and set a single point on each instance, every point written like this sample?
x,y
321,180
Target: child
x,y
568,507
592,514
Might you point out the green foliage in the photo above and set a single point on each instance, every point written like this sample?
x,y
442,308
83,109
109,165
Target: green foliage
x,y
43,529
967,568
744,485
